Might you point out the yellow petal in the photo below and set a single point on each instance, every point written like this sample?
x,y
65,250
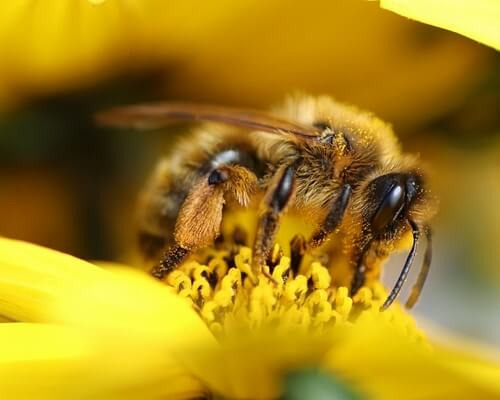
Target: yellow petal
x,y
141,332
383,362
31,276
251,365
37,359
477,19
482,373
28,342
136,328
41,361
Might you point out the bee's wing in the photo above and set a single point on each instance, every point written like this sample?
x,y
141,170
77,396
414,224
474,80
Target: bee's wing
x,y
157,115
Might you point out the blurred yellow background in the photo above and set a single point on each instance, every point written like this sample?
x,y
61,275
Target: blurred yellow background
x,y
71,186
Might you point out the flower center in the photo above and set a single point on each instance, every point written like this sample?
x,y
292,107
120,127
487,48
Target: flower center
x,y
228,295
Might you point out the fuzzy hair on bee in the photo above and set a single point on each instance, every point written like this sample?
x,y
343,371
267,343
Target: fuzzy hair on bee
x,y
337,166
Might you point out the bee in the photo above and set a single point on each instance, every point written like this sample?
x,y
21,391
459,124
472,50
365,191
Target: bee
x,y
341,168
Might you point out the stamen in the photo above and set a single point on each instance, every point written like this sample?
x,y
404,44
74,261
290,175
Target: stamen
x,y
228,294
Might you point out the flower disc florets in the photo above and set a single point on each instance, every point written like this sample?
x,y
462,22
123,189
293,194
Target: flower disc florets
x,y
228,294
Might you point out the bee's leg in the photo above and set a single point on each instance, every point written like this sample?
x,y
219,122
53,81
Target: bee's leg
x,y
197,225
333,218
200,216
277,197
358,279
170,260
298,246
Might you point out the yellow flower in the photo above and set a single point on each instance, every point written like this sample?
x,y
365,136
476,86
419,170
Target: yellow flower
x,y
230,299
477,19
94,333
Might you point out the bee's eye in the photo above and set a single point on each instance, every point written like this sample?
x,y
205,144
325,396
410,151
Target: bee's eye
x,y
389,208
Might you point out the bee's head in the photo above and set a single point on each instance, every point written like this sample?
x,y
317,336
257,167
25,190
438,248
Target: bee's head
x,y
396,198
396,202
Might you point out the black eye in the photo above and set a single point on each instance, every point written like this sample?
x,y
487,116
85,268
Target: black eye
x,y
389,208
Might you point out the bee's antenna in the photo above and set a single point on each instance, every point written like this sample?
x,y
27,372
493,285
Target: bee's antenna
x,y
424,270
406,268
